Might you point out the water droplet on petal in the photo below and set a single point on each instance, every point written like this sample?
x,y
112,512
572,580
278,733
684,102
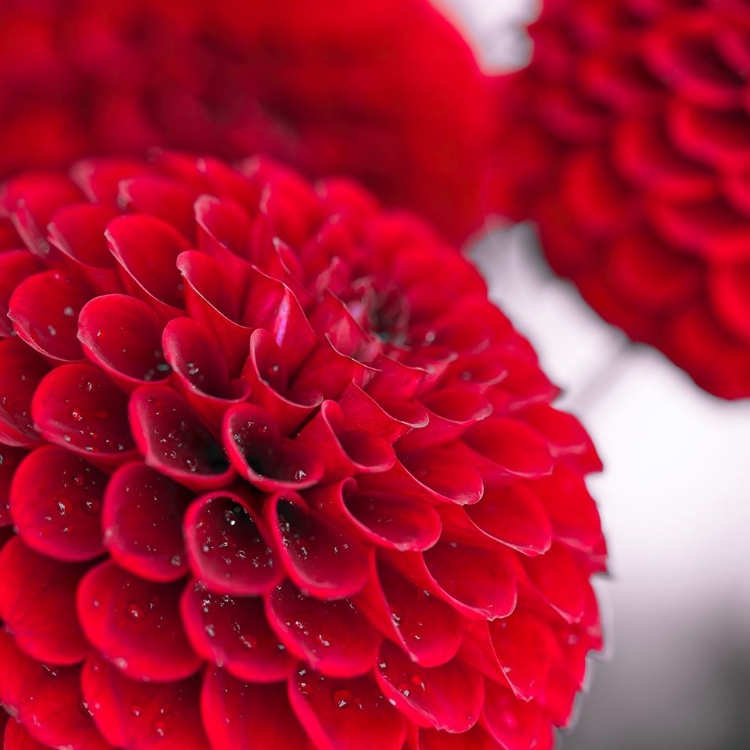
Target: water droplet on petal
x,y
342,698
91,506
134,612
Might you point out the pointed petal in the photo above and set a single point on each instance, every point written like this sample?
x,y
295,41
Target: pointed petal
x,y
147,249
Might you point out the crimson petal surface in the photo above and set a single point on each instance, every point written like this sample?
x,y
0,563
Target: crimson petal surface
x,y
302,486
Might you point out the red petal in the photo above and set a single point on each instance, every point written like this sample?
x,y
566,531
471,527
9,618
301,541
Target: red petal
x,y
226,543
570,507
136,624
344,452
78,407
442,476
451,411
448,697
143,715
273,307
557,577
269,462
213,298
391,422
10,458
729,287
332,320
45,310
233,632
330,372
21,371
174,442
147,250
388,520
559,697
526,650
475,739
427,628
246,717
78,231
31,202
202,375
55,502
122,335
319,557
483,581
511,449
164,199
142,522
395,381
345,713
99,178
223,231
37,603
46,700
17,738
513,515
524,385
268,375
333,637
566,437
515,724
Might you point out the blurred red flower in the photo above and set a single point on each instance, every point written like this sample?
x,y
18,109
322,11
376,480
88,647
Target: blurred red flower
x,y
275,473
628,142
387,92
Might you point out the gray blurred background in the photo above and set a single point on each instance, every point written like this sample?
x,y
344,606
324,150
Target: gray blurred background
x,y
674,498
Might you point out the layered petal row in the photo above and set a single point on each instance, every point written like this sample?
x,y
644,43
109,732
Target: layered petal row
x,y
627,141
274,472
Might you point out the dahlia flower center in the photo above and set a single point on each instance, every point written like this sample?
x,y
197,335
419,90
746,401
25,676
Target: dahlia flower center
x,y
381,308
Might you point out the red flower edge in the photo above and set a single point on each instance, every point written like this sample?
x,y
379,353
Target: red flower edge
x,y
625,141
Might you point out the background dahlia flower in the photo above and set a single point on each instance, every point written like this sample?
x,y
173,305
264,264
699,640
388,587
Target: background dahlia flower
x,y
628,143
275,474
386,91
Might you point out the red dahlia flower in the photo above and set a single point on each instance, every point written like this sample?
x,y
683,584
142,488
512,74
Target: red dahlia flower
x,y
631,150
386,91
275,474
